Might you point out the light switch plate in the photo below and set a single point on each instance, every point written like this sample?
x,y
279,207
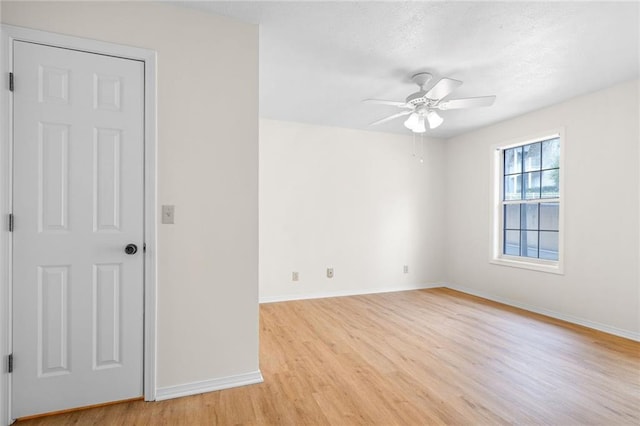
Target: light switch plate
x,y
168,214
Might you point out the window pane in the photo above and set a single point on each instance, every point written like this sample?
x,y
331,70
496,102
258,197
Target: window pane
x,y
529,216
549,216
512,216
549,245
531,185
532,157
512,243
513,160
551,183
513,187
529,243
551,154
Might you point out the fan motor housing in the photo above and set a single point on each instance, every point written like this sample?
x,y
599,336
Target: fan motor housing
x,y
415,98
418,98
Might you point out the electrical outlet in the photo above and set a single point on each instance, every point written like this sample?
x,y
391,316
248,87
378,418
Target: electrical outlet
x,y
406,269
295,276
329,272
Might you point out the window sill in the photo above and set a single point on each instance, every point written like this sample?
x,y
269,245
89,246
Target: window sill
x,y
549,266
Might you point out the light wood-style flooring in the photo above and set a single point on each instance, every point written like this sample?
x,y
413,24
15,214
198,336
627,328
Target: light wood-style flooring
x,y
411,358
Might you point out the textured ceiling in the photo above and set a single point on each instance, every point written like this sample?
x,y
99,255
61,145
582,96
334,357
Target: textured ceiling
x,y
318,60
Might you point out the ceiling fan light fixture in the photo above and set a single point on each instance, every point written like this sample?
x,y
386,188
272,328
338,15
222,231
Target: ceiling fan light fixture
x,y
412,121
434,119
420,127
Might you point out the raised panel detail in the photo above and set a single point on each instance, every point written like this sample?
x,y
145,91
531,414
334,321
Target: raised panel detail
x,y
106,92
53,179
106,180
106,316
53,85
53,317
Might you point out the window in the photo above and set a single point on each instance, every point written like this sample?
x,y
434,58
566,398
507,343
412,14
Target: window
x,y
528,208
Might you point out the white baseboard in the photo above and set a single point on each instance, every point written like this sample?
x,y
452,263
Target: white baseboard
x,y
340,293
195,388
553,314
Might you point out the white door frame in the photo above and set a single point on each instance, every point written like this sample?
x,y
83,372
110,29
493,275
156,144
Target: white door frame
x,y
8,35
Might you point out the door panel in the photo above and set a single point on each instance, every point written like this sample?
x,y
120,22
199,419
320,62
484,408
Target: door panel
x,y
78,201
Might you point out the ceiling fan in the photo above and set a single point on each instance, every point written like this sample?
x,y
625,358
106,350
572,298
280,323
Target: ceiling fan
x,y
421,106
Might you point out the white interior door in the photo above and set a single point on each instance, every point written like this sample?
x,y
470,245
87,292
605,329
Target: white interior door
x,y
77,202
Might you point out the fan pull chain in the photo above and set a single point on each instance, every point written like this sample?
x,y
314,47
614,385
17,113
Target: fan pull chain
x,y
422,147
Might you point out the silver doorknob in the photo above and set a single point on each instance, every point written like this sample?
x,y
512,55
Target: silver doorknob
x,y
131,249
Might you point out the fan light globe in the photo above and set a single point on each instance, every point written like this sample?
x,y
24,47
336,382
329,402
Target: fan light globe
x,y
420,127
412,121
415,123
434,119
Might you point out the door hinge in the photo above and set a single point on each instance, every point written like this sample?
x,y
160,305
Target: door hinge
x,y
11,81
10,363
11,221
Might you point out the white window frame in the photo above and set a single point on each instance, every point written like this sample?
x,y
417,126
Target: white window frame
x,y
497,165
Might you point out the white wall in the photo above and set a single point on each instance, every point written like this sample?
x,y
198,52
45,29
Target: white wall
x,y
601,282
353,200
207,167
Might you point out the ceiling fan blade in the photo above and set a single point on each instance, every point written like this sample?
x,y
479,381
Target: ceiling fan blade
x,y
385,102
391,117
443,88
467,103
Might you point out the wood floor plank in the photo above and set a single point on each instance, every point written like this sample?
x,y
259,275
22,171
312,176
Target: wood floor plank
x,y
411,358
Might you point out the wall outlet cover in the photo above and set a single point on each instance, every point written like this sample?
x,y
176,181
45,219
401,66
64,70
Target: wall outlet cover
x,y
168,214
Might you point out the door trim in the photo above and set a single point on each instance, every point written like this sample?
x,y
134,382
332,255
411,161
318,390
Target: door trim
x,y
149,57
